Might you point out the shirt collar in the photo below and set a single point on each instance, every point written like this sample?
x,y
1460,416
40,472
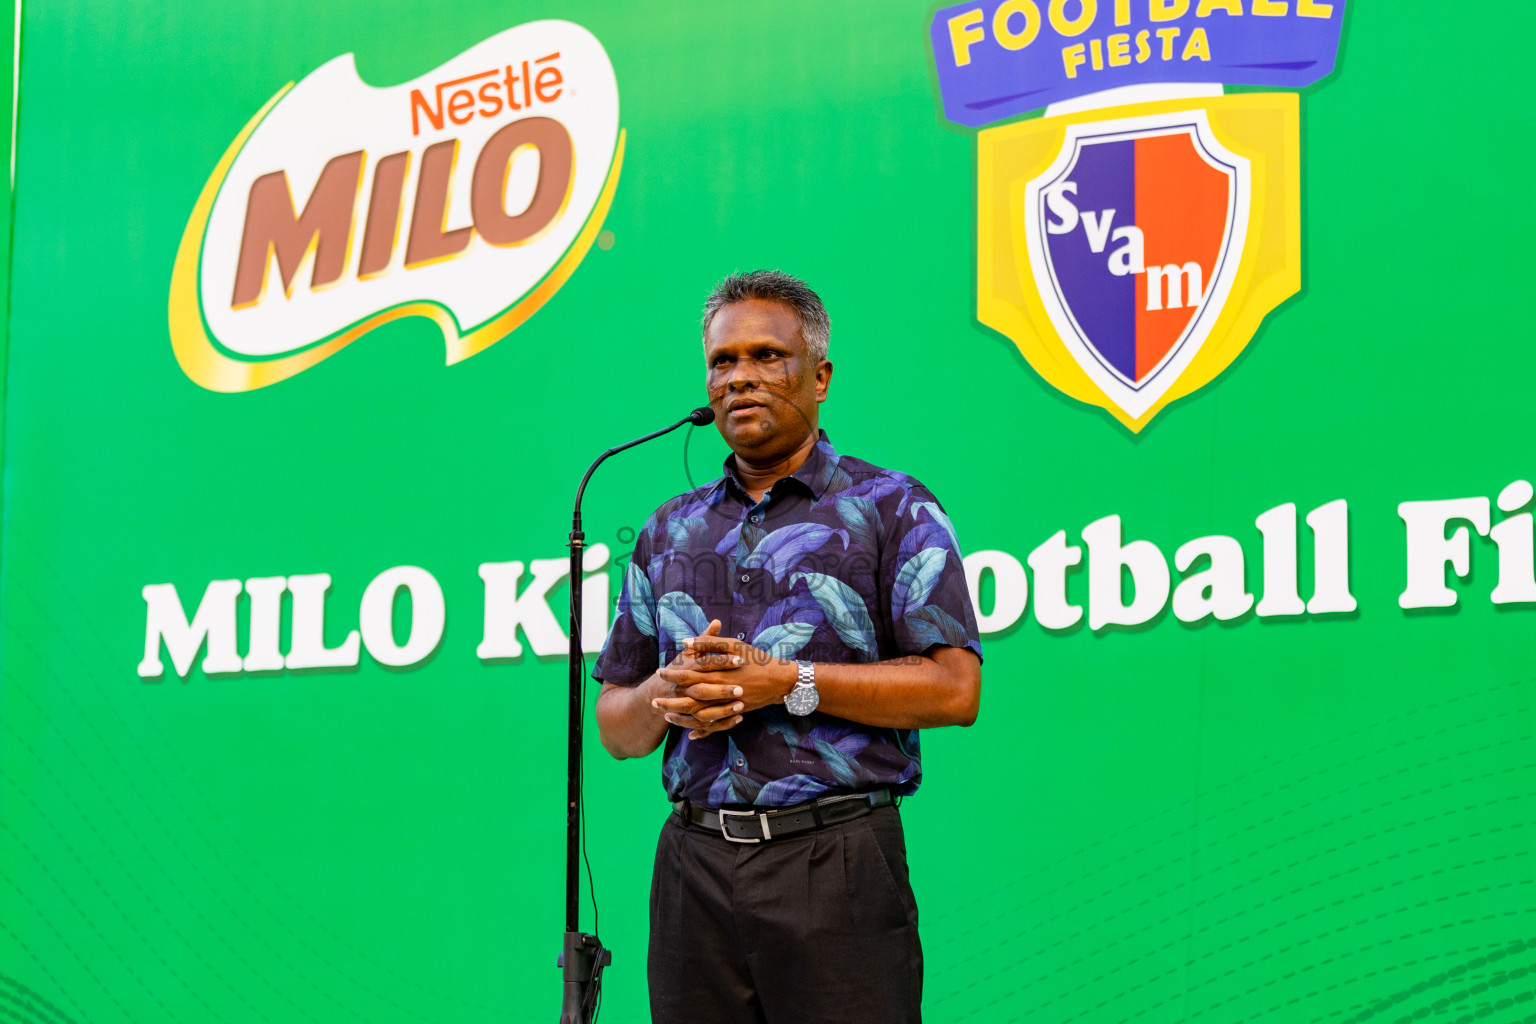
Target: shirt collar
x,y
815,473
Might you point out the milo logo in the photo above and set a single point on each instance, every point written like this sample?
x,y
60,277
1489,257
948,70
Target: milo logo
x,y
467,196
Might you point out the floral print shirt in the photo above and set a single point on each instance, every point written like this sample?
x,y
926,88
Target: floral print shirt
x,y
840,562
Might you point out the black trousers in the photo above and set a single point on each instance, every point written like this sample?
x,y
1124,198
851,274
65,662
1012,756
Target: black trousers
x,y
816,928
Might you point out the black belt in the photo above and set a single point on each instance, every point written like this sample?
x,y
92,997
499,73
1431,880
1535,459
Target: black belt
x,y
756,826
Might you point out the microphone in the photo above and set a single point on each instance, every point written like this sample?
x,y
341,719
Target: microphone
x,y
583,956
702,416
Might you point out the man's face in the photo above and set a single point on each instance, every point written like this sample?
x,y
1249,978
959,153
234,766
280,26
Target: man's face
x,y
762,383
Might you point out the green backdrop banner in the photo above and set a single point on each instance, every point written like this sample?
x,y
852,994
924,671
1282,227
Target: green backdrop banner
x,y
318,312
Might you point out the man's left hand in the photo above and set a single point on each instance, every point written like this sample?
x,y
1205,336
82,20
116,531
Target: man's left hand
x,y
763,679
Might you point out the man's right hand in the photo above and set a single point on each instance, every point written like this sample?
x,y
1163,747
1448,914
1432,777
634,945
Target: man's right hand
x,y
701,706
633,720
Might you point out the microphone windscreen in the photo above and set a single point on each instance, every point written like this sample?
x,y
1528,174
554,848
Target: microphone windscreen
x,y
703,416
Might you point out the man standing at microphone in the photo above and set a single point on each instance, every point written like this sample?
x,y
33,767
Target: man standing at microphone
x,y
787,630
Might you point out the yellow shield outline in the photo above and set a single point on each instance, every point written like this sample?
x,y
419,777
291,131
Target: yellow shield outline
x,y
1263,127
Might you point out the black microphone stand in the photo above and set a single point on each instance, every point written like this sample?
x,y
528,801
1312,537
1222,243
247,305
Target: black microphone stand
x,y
583,956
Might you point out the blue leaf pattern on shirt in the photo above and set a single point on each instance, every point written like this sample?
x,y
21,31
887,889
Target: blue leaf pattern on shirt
x,y
792,789
783,549
681,617
730,542
782,724
838,480
839,748
637,602
861,519
734,784
785,640
921,536
675,771
845,610
915,580
688,533
845,562
799,606
938,516
877,488
698,508
930,625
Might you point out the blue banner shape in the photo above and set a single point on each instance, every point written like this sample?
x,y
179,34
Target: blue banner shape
x,y
999,58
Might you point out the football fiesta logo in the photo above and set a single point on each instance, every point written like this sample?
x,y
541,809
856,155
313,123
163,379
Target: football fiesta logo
x,y
1131,240
467,196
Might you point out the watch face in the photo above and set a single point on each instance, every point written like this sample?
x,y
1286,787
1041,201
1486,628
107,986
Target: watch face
x,y
802,700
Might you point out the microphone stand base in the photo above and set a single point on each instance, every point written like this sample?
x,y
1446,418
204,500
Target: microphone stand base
x,y
582,961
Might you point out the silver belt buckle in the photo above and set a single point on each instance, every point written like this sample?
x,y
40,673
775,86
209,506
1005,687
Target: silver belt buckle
x,y
762,820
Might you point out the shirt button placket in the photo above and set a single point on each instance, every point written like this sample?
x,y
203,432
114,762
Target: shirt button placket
x,y
755,517
743,545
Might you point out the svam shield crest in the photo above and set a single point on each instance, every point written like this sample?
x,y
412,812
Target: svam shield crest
x,y
1132,253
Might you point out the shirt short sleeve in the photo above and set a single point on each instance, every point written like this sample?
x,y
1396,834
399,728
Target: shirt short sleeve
x,y
929,601
631,652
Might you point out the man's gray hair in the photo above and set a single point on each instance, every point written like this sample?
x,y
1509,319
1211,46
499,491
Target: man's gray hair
x,y
776,286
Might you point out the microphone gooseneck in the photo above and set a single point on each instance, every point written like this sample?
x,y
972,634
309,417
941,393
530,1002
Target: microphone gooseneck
x,y
583,956
699,417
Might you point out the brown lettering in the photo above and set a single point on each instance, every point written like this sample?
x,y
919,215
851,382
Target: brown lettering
x,y
430,240
273,229
488,193
383,227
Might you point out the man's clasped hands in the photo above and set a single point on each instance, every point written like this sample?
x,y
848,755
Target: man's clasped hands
x,y
716,680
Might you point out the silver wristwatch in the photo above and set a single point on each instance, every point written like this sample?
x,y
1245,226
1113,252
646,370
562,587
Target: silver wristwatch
x,y
802,700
